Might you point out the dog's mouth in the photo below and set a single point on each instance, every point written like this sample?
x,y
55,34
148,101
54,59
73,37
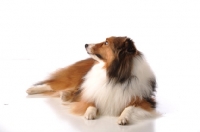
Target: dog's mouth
x,y
95,55
89,52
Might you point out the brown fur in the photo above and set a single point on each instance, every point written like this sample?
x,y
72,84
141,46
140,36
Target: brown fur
x,y
69,77
117,53
80,108
118,57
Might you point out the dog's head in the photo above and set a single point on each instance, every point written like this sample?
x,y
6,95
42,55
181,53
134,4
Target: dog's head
x,y
111,48
117,53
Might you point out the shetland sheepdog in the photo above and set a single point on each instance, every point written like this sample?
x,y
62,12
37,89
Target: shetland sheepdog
x,y
116,81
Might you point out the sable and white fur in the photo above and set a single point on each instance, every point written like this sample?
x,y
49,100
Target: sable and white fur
x,y
112,98
117,81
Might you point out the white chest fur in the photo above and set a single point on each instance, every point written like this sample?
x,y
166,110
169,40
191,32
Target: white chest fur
x,y
109,98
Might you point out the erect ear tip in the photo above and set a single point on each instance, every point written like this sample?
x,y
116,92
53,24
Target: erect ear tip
x,y
129,40
130,45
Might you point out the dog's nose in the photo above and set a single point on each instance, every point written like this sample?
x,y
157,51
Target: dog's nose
x,y
86,45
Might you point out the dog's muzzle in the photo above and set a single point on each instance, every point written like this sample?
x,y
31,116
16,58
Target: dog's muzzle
x,y
88,48
86,45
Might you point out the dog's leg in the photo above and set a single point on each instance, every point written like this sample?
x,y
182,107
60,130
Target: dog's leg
x,y
52,85
133,114
125,115
91,113
67,95
68,77
39,89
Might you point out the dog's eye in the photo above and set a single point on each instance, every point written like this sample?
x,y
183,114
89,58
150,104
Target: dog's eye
x,y
106,43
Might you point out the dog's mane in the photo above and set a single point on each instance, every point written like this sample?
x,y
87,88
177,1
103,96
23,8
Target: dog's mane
x,y
120,70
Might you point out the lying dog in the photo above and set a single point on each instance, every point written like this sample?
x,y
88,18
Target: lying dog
x,y
115,81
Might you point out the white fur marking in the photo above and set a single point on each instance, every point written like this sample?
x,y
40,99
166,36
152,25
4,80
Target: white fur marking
x,y
125,116
139,114
144,74
39,89
91,113
134,114
89,48
111,98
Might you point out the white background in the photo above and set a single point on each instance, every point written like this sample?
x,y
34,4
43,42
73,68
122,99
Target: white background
x,y
38,36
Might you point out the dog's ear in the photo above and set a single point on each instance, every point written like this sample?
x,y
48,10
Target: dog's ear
x,y
130,47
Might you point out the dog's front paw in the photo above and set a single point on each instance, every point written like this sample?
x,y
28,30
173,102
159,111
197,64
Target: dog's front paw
x,y
122,121
91,113
90,116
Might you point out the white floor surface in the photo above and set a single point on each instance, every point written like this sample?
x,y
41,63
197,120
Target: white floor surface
x,y
22,113
39,36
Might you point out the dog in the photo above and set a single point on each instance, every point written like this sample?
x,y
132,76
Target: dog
x,y
115,81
